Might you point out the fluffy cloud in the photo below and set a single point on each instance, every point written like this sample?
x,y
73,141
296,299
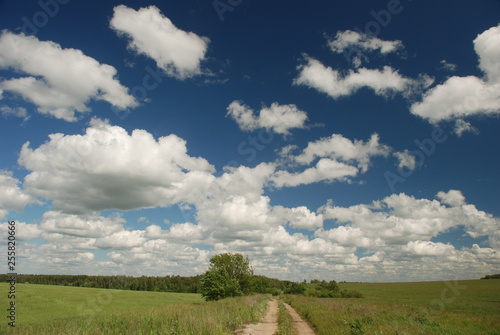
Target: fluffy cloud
x,y
130,254
122,240
341,148
459,97
24,231
349,236
185,232
325,170
452,197
300,217
109,169
366,241
354,45
351,39
12,196
323,78
177,52
237,217
487,47
406,160
278,118
234,207
60,82
87,225
339,159
400,219
428,248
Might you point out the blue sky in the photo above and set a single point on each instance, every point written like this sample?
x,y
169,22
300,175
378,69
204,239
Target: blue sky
x,y
339,140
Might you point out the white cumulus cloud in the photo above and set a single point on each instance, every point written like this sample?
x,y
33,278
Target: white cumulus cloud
x,y
336,84
399,219
87,225
355,45
352,39
24,231
452,197
325,170
12,197
460,97
428,248
406,159
341,148
60,82
122,240
300,217
107,168
278,118
177,52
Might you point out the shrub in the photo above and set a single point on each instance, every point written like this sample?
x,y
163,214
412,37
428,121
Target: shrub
x,y
295,288
351,294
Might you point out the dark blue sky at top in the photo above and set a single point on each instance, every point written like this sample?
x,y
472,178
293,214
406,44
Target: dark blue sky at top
x,y
253,54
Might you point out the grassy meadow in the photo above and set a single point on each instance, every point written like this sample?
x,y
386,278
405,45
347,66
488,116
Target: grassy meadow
x,y
455,307
46,309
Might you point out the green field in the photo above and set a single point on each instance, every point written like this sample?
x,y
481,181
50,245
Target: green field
x,y
47,309
461,307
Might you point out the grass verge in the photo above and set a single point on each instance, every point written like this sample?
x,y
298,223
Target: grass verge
x,y
285,324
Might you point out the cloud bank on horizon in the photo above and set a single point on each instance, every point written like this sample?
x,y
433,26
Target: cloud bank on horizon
x,y
80,192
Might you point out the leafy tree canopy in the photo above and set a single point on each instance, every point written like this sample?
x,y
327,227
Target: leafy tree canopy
x,y
229,275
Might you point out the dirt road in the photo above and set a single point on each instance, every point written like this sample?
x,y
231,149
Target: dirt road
x,y
301,326
269,324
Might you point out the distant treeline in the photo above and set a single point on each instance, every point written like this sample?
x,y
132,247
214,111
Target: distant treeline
x,y
495,276
260,284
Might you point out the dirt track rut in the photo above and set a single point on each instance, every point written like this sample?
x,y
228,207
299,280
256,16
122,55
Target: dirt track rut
x,y
269,324
302,326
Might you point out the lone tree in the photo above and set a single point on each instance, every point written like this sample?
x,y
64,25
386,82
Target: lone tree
x,y
229,275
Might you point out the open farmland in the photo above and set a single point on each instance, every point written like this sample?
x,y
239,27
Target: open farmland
x,y
454,307
461,307
46,309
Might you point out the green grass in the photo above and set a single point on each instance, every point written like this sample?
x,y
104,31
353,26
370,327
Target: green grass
x,y
463,307
45,309
49,302
285,324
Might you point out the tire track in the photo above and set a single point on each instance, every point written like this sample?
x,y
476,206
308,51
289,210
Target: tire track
x,y
302,327
268,325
